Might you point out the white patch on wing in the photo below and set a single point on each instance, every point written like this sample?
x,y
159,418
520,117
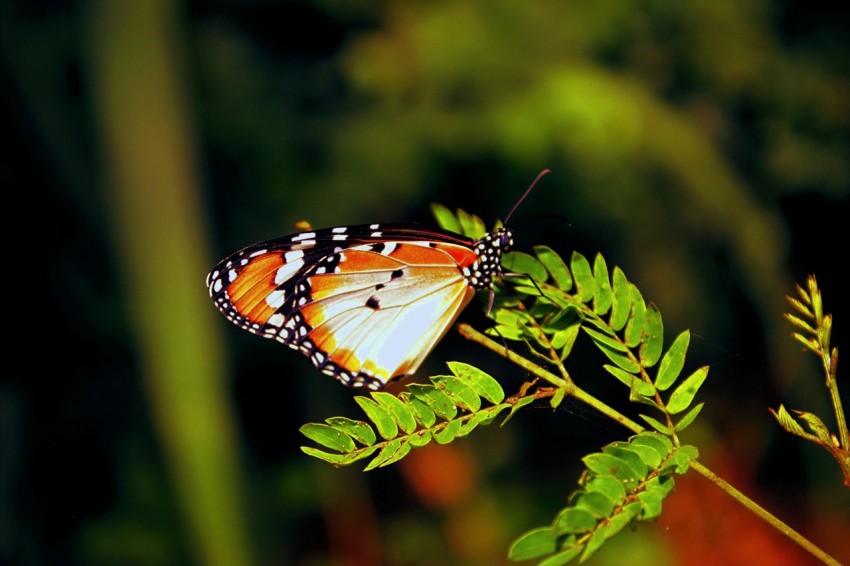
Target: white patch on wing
x,y
275,299
287,270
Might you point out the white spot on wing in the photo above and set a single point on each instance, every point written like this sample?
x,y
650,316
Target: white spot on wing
x,y
287,270
293,255
303,236
275,299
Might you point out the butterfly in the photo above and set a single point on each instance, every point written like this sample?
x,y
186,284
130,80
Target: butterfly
x,y
367,303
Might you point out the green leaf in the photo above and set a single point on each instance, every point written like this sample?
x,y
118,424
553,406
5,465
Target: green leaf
x,y
621,301
525,264
463,395
446,218
680,460
637,318
682,396
564,340
506,332
654,440
472,226
436,400
336,459
393,451
483,384
619,359
382,418
657,425
616,523
651,502
556,267
815,425
594,543
602,463
447,433
605,339
652,338
484,417
597,503
583,277
574,520
631,381
533,544
569,552
689,417
673,361
358,430
557,398
608,485
604,295
402,414
328,436
647,455
519,404
422,412
787,421
420,438
631,457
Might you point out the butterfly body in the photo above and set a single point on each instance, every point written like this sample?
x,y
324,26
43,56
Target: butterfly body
x,y
365,303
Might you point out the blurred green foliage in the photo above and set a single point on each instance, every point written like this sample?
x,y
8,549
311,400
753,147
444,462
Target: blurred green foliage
x,y
703,146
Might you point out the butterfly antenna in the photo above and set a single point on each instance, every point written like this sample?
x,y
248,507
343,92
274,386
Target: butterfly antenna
x,y
525,194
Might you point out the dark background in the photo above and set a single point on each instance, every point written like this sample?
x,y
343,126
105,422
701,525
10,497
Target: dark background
x,y
702,146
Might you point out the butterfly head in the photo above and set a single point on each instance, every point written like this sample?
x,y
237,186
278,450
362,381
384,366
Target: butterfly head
x,y
489,250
